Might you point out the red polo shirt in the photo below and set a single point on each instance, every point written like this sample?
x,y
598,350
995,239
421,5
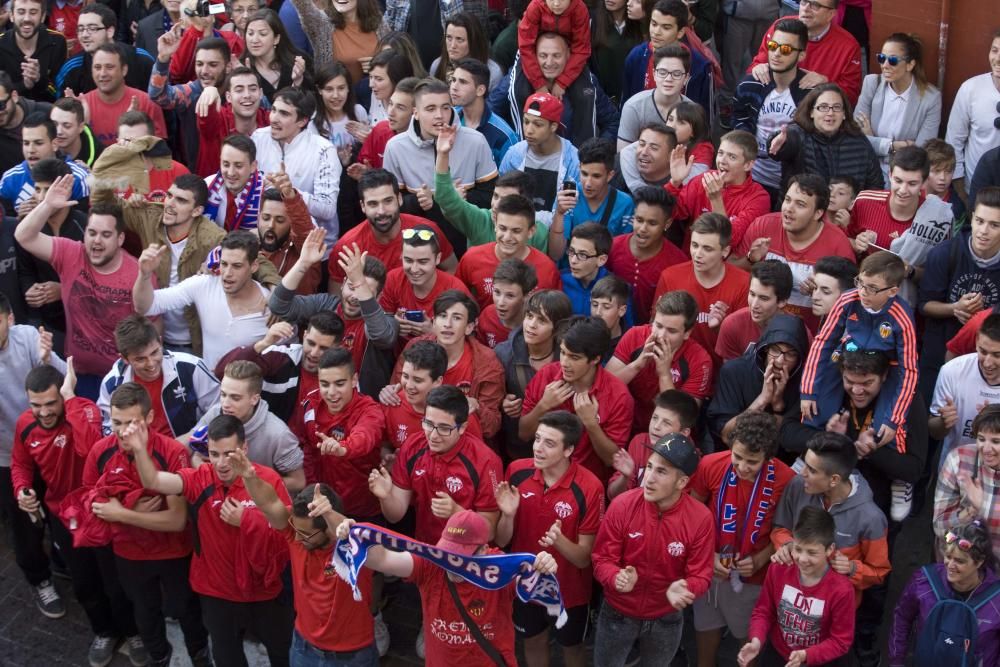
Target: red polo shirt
x,y
642,275
402,421
615,408
480,263
398,292
468,472
326,613
447,640
389,253
871,212
691,371
577,500
358,427
490,331
213,570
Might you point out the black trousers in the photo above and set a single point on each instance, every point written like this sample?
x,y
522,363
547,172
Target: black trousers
x,y
95,584
270,621
155,585
27,538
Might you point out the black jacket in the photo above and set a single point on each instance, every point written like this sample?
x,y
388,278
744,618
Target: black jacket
x,y
741,379
51,54
76,72
10,137
840,155
150,29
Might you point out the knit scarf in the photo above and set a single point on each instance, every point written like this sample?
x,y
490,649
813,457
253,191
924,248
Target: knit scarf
x,y
730,537
247,202
492,572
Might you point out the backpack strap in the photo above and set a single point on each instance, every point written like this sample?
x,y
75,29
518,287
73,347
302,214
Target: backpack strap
x,y
984,596
935,581
612,198
193,510
477,634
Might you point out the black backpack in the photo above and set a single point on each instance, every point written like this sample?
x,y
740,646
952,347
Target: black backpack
x,y
951,629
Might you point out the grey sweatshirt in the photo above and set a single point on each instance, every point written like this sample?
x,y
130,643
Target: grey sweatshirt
x,y
269,441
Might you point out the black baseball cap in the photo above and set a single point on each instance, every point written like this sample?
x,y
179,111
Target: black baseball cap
x,y
679,451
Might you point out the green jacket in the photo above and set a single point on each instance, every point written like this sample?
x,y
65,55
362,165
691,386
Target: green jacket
x,y
474,222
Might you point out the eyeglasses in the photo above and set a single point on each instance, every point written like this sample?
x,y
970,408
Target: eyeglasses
x,y
3,102
444,430
892,60
827,108
815,6
422,234
676,74
774,352
784,49
961,542
868,289
303,535
582,256
88,29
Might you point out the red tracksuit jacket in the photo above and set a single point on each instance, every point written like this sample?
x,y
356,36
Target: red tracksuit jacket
x,y
744,204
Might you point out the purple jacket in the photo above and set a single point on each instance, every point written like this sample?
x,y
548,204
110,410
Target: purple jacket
x,y
915,605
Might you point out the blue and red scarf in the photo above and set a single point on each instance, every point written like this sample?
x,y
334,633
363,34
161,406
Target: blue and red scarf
x,y
735,538
247,202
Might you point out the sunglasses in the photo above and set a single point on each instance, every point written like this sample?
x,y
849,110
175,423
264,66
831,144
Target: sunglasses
x,y
892,60
3,102
783,49
422,234
952,538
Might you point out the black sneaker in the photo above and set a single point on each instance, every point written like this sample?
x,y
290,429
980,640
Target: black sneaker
x,y
48,601
137,653
202,658
102,650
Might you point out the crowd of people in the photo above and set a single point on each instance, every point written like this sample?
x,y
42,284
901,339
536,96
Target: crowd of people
x,y
668,295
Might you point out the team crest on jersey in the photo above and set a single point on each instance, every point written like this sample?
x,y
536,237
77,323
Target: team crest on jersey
x,y
491,339
488,285
675,375
348,341
400,433
465,386
884,330
454,484
60,441
563,509
477,608
675,549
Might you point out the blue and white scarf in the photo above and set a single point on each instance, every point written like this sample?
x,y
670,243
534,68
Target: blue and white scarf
x,y
489,572
247,202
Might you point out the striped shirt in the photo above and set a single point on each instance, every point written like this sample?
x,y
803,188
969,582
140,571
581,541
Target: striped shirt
x,y
950,495
871,212
17,185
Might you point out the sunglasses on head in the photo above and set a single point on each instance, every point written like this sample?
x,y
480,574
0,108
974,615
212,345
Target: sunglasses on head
x,y
783,49
961,542
422,234
892,60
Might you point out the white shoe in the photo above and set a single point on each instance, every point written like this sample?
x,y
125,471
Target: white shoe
x,y
381,635
420,644
902,500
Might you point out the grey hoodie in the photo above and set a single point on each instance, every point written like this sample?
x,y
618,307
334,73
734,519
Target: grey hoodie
x,y
269,441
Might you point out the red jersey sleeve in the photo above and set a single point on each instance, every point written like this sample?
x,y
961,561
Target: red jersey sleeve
x,y
764,612
742,213
631,340
527,33
84,418
400,474
579,44
489,476
701,558
366,433
22,466
595,501
964,341
607,552
700,372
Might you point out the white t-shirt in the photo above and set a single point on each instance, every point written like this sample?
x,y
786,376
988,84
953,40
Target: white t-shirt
x,y
775,112
961,381
175,327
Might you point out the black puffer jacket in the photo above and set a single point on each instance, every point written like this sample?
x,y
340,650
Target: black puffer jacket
x,y
843,154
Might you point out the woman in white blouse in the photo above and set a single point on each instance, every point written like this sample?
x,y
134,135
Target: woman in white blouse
x,y
898,107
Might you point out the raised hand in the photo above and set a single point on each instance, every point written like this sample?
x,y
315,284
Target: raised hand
x,y
713,184
313,248
508,498
58,195
425,198
972,491
352,262
282,182
278,331
240,462
716,313
779,141
948,413
552,535
680,165
446,139
298,70
759,249
209,97
44,345
626,579
623,463
380,483
149,260
68,389
838,423
320,504
357,169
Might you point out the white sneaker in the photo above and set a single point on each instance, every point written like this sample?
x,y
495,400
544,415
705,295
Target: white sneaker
x,y
381,635
420,644
902,500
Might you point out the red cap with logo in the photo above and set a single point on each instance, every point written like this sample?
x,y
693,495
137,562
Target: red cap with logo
x,y
544,106
464,533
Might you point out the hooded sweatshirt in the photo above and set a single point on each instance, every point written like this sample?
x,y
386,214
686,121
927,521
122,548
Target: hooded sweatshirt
x,y
740,380
269,440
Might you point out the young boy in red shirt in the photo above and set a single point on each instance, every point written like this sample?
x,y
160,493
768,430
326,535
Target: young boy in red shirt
x,y
551,502
659,356
805,612
513,281
741,487
673,412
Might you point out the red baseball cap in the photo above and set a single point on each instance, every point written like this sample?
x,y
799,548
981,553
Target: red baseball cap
x,y
464,533
544,106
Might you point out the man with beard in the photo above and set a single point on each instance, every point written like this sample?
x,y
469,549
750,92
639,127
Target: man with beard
x,y
283,226
241,114
30,53
96,26
112,97
94,277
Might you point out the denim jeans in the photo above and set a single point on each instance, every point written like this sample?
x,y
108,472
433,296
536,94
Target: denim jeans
x,y
616,632
304,654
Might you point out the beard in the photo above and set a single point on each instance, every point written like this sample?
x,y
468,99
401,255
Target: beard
x,y
271,242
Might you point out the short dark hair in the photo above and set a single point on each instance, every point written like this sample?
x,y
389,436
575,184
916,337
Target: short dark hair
x,y
677,51
414,240
242,143
337,357
302,504
133,118
588,336
567,423
327,323
71,104
194,184
757,432
813,185
815,525
794,27
226,426
49,169
988,196
397,66
374,269
106,14
911,158
661,129
40,119
516,272
5,307
112,208
849,181
517,179
674,8
886,264
775,274
991,327
114,48
841,268
214,44
865,362
427,355
450,399
6,82
449,298
242,239
714,223
596,233
611,287
551,304
133,333
656,197
376,178
516,205
130,394
678,302
681,404
41,378
598,150
479,72
837,452
304,103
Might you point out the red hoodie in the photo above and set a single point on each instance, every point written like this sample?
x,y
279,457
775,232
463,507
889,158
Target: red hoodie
x,y
182,62
744,203
573,24
662,546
